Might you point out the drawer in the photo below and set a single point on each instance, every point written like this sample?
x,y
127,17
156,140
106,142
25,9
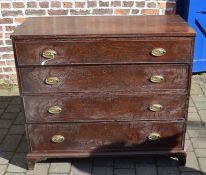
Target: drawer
x,y
104,78
100,51
87,107
101,137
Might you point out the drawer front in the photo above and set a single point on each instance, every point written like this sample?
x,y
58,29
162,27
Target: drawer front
x,y
101,137
100,51
85,107
103,78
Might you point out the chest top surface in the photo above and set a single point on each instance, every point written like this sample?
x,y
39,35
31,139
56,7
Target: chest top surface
x,y
102,26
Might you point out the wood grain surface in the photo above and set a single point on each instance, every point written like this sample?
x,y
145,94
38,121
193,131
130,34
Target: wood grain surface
x,y
104,78
102,136
100,107
102,51
104,65
103,26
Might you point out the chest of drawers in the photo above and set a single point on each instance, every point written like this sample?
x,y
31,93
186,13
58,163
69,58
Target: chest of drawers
x,y
104,86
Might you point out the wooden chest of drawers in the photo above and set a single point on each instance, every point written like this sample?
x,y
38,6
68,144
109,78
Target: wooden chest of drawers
x,y
104,86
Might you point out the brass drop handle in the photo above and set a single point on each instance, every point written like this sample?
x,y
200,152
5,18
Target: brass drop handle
x,y
49,53
158,52
154,136
156,78
55,110
58,139
52,80
155,107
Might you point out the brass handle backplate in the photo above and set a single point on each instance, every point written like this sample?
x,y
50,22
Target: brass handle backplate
x,y
52,80
55,110
57,138
158,52
49,53
156,78
154,136
155,107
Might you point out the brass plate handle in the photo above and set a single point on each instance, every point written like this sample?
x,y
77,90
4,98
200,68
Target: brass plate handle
x,y
55,110
51,80
158,52
156,78
57,139
155,107
49,53
154,136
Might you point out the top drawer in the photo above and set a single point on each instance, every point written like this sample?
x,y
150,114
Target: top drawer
x,y
101,51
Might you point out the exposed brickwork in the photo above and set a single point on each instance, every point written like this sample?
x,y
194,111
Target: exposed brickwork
x,y
15,12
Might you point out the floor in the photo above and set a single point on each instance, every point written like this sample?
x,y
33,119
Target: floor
x,y
13,146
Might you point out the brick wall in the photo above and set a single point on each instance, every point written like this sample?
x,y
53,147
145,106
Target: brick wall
x,y
14,12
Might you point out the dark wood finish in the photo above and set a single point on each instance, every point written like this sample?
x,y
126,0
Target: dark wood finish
x,y
102,51
104,65
103,26
36,156
104,107
104,78
103,137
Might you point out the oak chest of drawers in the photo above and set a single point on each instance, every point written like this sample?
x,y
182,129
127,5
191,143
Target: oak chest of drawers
x,y
104,86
